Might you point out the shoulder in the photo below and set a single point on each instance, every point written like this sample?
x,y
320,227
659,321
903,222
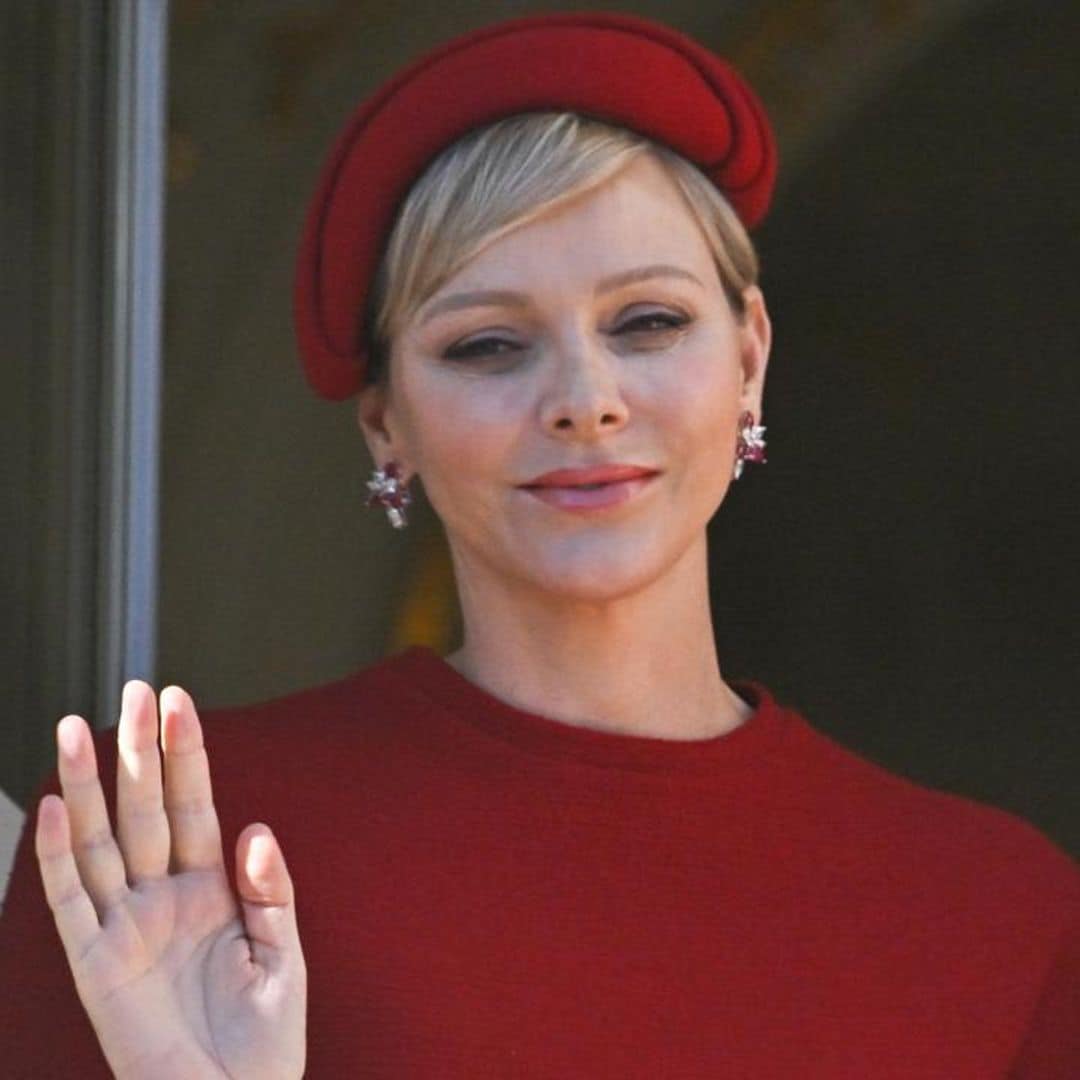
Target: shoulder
x,y
264,750
977,852
360,703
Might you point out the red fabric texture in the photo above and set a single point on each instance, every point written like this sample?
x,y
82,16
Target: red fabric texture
x,y
627,70
487,893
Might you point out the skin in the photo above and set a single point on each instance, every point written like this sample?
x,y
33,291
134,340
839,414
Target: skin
x,y
181,976
602,619
596,619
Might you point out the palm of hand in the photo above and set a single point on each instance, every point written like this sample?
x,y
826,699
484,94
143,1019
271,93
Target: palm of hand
x,y
177,977
163,954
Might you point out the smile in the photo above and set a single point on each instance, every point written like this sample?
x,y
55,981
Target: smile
x,y
594,488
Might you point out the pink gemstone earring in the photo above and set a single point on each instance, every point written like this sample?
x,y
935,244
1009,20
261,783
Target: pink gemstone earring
x,y
385,489
750,445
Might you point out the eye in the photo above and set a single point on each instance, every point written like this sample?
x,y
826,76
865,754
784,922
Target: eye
x,y
480,348
652,322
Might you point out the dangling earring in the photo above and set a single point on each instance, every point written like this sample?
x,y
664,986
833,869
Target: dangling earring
x,y
750,445
386,489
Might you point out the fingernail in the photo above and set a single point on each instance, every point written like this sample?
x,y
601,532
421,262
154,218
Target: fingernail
x,y
260,858
68,735
129,697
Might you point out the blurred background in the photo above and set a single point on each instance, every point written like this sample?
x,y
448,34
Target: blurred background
x,y
903,570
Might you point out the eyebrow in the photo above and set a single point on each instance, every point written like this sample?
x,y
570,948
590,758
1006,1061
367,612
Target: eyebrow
x,y
507,298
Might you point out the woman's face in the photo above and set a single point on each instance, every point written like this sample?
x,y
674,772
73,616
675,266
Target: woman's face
x,y
595,337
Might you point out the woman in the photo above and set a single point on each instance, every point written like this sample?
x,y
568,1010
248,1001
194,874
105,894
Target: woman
x,y
571,848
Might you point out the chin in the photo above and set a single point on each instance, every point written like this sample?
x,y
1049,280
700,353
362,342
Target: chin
x,y
598,564
597,569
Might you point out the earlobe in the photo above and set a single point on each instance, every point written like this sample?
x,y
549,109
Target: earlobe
x,y
755,333
371,418
384,443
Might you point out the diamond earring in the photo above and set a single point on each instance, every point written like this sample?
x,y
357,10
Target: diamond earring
x,y
386,489
750,445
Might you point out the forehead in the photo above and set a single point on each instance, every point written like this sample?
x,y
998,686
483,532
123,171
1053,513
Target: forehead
x,y
634,218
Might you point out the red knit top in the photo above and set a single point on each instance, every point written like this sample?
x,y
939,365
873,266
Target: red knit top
x,y
483,892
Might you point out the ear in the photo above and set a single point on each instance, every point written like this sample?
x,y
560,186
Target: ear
x,y
755,340
373,414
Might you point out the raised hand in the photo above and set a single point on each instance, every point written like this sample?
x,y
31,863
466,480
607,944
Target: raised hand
x,y
180,978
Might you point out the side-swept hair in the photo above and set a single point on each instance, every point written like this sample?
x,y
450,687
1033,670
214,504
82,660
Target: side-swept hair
x,y
501,176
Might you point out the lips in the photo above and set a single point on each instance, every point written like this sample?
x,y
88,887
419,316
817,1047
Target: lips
x,y
590,476
595,487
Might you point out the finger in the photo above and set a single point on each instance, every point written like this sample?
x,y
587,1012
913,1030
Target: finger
x,y
76,920
266,890
189,803
97,855
141,823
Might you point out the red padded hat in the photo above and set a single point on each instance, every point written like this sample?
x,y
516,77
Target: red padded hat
x,y
629,71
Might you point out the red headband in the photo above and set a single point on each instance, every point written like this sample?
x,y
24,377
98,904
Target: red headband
x,y
629,71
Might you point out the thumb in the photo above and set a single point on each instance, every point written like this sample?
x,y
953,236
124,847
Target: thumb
x,y
266,892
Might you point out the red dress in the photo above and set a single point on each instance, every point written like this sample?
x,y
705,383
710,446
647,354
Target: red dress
x,y
505,895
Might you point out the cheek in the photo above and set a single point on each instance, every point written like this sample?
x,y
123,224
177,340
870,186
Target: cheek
x,y
699,410
461,436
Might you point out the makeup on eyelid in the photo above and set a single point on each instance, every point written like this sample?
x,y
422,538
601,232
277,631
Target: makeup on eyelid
x,y
670,322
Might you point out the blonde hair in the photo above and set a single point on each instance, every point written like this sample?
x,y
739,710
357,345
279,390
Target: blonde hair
x,y
501,176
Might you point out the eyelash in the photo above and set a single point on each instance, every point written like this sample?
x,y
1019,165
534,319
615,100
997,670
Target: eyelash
x,y
468,350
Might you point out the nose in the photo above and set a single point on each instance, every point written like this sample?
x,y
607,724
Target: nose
x,y
584,399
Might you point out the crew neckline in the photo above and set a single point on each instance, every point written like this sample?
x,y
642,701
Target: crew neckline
x,y
432,677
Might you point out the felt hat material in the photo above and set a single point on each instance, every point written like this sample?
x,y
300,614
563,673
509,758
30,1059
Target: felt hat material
x,y
626,70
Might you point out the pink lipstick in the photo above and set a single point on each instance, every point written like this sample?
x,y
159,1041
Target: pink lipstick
x,y
595,487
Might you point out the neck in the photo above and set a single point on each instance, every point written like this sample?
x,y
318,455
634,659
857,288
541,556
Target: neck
x,y
642,664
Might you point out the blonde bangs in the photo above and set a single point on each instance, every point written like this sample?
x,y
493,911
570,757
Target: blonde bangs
x,y
500,177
